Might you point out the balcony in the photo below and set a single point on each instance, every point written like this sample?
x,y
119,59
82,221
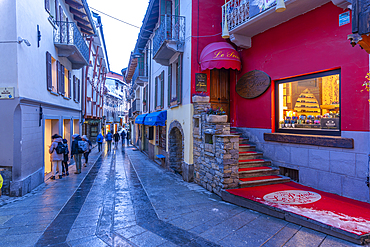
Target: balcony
x,y
70,44
169,38
245,18
140,76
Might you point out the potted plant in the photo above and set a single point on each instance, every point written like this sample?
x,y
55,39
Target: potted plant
x,y
200,97
144,101
217,115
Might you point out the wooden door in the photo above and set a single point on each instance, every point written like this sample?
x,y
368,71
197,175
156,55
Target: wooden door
x,y
220,89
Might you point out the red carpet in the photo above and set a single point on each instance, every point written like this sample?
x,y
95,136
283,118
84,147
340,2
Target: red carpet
x,y
337,211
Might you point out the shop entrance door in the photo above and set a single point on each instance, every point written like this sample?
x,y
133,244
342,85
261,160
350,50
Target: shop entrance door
x,y
220,89
51,128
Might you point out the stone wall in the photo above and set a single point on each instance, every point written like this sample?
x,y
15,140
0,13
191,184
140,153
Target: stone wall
x,y
216,152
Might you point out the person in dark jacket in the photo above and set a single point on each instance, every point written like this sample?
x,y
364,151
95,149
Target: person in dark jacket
x,y
99,140
123,136
74,152
109,138
88,151
65,159
116,139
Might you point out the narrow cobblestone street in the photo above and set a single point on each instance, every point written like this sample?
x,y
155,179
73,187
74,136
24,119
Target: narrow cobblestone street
x,y
124,199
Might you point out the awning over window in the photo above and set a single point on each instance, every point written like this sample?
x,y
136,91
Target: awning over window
x,y
156,118
140,119
219,55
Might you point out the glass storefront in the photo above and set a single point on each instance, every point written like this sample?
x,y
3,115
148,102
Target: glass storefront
x,y
309,103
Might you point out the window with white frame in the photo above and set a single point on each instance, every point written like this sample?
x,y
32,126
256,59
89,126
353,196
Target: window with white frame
x,y
175,82
159,91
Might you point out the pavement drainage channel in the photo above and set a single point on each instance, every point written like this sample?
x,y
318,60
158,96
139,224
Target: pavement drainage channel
x,y
147,218
58,230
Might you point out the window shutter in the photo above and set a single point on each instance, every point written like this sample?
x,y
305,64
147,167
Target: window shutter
x,y
156,92
69,84
74,88
179,80
169,84
47,5
78,90
62,80
162,89
58,77
56,10
49,83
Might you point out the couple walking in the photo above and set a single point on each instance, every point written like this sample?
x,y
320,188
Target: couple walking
x,y
59,153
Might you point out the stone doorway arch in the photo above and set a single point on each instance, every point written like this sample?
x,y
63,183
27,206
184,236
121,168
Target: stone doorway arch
x,y
176,147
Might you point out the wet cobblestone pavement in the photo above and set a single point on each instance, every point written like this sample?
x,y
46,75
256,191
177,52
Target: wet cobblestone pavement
x,y
124,199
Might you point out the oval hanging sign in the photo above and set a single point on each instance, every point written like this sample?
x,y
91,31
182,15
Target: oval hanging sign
x,y
253,84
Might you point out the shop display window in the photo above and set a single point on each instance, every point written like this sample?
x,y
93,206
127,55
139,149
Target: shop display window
x,y
309,104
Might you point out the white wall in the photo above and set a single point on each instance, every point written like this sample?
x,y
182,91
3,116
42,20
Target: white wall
x,y
32,59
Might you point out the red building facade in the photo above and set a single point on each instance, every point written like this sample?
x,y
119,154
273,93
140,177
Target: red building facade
x,y
305,49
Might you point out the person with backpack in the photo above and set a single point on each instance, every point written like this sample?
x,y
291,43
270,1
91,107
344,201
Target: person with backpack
x,y
99,140
109,138
65,159
123,136
56,150
116,139
77,149
87,152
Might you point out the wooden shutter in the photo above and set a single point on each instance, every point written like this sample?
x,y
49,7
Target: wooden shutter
x,y
58,77
78,90
56,10
47,5
169,84
179,80
74,88
69,84
162,89
156,92
62,80
49,82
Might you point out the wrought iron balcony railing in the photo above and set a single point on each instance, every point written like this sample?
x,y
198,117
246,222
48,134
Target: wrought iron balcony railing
x,y
172,28
241,11
67,34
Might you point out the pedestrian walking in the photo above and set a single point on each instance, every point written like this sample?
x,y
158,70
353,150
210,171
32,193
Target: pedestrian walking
x,y
116,139
56,156
99,140
123,136
77,152
128,137
109,138
65,159
88,151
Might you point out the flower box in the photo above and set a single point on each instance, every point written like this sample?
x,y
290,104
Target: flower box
x,y
200,99
216,118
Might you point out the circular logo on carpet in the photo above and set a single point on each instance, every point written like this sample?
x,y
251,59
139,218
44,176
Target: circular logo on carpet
x,y
292,197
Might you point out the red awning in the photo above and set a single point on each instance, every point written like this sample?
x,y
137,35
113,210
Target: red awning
x,y
219,55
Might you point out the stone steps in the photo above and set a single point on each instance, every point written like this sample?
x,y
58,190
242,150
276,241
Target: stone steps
x,y
257,171
254,170
262,180
254,163
249,155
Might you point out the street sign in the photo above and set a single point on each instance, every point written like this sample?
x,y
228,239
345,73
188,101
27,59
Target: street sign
x,y
6,92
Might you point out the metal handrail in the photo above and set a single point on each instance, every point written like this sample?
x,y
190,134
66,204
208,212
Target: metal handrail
x,y
172,28
68,34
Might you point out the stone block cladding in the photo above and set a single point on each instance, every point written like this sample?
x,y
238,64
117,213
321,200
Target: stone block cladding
x,y
216,153
337,170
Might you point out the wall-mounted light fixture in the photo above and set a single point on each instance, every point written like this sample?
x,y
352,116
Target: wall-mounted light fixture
x,y
19,41
38,36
